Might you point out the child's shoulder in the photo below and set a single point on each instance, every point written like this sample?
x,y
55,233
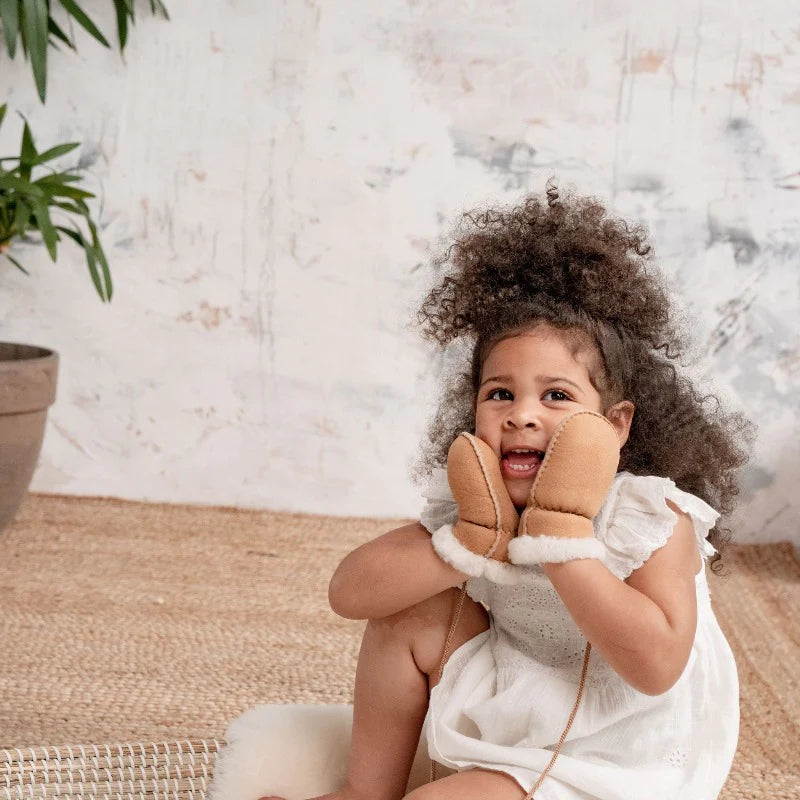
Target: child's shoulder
x,y
636,520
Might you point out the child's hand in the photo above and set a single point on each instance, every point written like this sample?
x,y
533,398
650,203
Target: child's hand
x,y
573,480
487,519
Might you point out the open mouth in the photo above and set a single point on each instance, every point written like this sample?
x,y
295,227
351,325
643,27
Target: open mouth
x,y
520,463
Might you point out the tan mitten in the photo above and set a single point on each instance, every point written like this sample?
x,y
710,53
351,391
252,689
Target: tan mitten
x,y
570,487
487,519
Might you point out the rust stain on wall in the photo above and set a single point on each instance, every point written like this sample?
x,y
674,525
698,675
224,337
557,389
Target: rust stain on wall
x,y
210,316
327,427
742,86
250,324
647,61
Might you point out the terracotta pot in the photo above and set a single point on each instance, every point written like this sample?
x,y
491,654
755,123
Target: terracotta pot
x,y
27,389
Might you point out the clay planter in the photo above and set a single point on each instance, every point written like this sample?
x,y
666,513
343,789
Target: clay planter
x,y
27,389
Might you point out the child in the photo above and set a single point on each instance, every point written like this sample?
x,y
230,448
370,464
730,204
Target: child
x,y
585,661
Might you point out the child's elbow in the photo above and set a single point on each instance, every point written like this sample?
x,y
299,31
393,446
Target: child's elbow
x,y
654,686
340,599
658,678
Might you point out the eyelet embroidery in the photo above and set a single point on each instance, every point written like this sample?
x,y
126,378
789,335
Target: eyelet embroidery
x,y
678,757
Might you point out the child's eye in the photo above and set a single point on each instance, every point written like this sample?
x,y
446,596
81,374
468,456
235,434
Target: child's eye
x,y
558,395
499,394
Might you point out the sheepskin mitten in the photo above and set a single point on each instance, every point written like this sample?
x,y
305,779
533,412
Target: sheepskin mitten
x,y
569,489
487,519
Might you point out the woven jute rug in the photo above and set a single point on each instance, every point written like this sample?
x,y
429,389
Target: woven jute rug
x,y
140,623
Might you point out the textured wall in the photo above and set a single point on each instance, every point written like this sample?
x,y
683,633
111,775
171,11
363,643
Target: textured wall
x,y
271,176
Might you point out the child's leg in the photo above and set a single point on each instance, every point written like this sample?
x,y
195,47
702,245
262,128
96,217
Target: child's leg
x,y
469,784
397,665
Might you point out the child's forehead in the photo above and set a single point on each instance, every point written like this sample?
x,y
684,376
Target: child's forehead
x,y
542,344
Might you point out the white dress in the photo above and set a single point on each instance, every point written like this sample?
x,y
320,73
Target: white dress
x,y
505,695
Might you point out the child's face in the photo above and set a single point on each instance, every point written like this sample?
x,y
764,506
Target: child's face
x,y
529,383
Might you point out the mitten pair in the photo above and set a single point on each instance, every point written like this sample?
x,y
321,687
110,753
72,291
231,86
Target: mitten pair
x,y
571,484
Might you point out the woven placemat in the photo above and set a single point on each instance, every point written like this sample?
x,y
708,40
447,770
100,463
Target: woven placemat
x,y
133,622
179,770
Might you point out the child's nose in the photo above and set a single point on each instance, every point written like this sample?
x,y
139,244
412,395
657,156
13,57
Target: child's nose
x,y
523,417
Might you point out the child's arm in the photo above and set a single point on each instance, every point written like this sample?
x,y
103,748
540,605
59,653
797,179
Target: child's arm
x,y
389,574
403,568
644,627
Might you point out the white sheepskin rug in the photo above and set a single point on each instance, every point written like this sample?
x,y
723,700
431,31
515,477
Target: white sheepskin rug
x,y
294,751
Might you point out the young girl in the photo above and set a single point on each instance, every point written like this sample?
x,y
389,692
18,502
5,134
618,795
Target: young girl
x,y
581,658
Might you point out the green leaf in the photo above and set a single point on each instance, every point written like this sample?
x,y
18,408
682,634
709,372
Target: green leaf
x,y
55,152
53,28
83,20
77,207
57,190
123,12
2,108
101,259
75,235
27,152
11,182
91,262
59,177
34,31
16,263
157,7
9,16
79,239
72,207
78,195
46,196
22,217
92,259
45,226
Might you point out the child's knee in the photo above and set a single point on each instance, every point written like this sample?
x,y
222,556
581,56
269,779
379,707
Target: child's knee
x,y
431,622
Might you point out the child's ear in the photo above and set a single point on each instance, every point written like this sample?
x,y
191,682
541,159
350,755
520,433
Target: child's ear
x,y
620,415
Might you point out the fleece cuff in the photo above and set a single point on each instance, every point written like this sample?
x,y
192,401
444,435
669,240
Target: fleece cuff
x,y
449,549
552,549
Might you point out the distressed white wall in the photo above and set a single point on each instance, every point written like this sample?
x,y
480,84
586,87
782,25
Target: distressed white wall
x,y
271,175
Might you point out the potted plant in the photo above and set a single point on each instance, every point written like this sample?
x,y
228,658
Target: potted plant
x,y
33,206
47,207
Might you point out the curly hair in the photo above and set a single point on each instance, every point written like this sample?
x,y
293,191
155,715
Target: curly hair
x,y
565,263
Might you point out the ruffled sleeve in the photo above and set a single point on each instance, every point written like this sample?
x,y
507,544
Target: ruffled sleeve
x,y
635,520
440,507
